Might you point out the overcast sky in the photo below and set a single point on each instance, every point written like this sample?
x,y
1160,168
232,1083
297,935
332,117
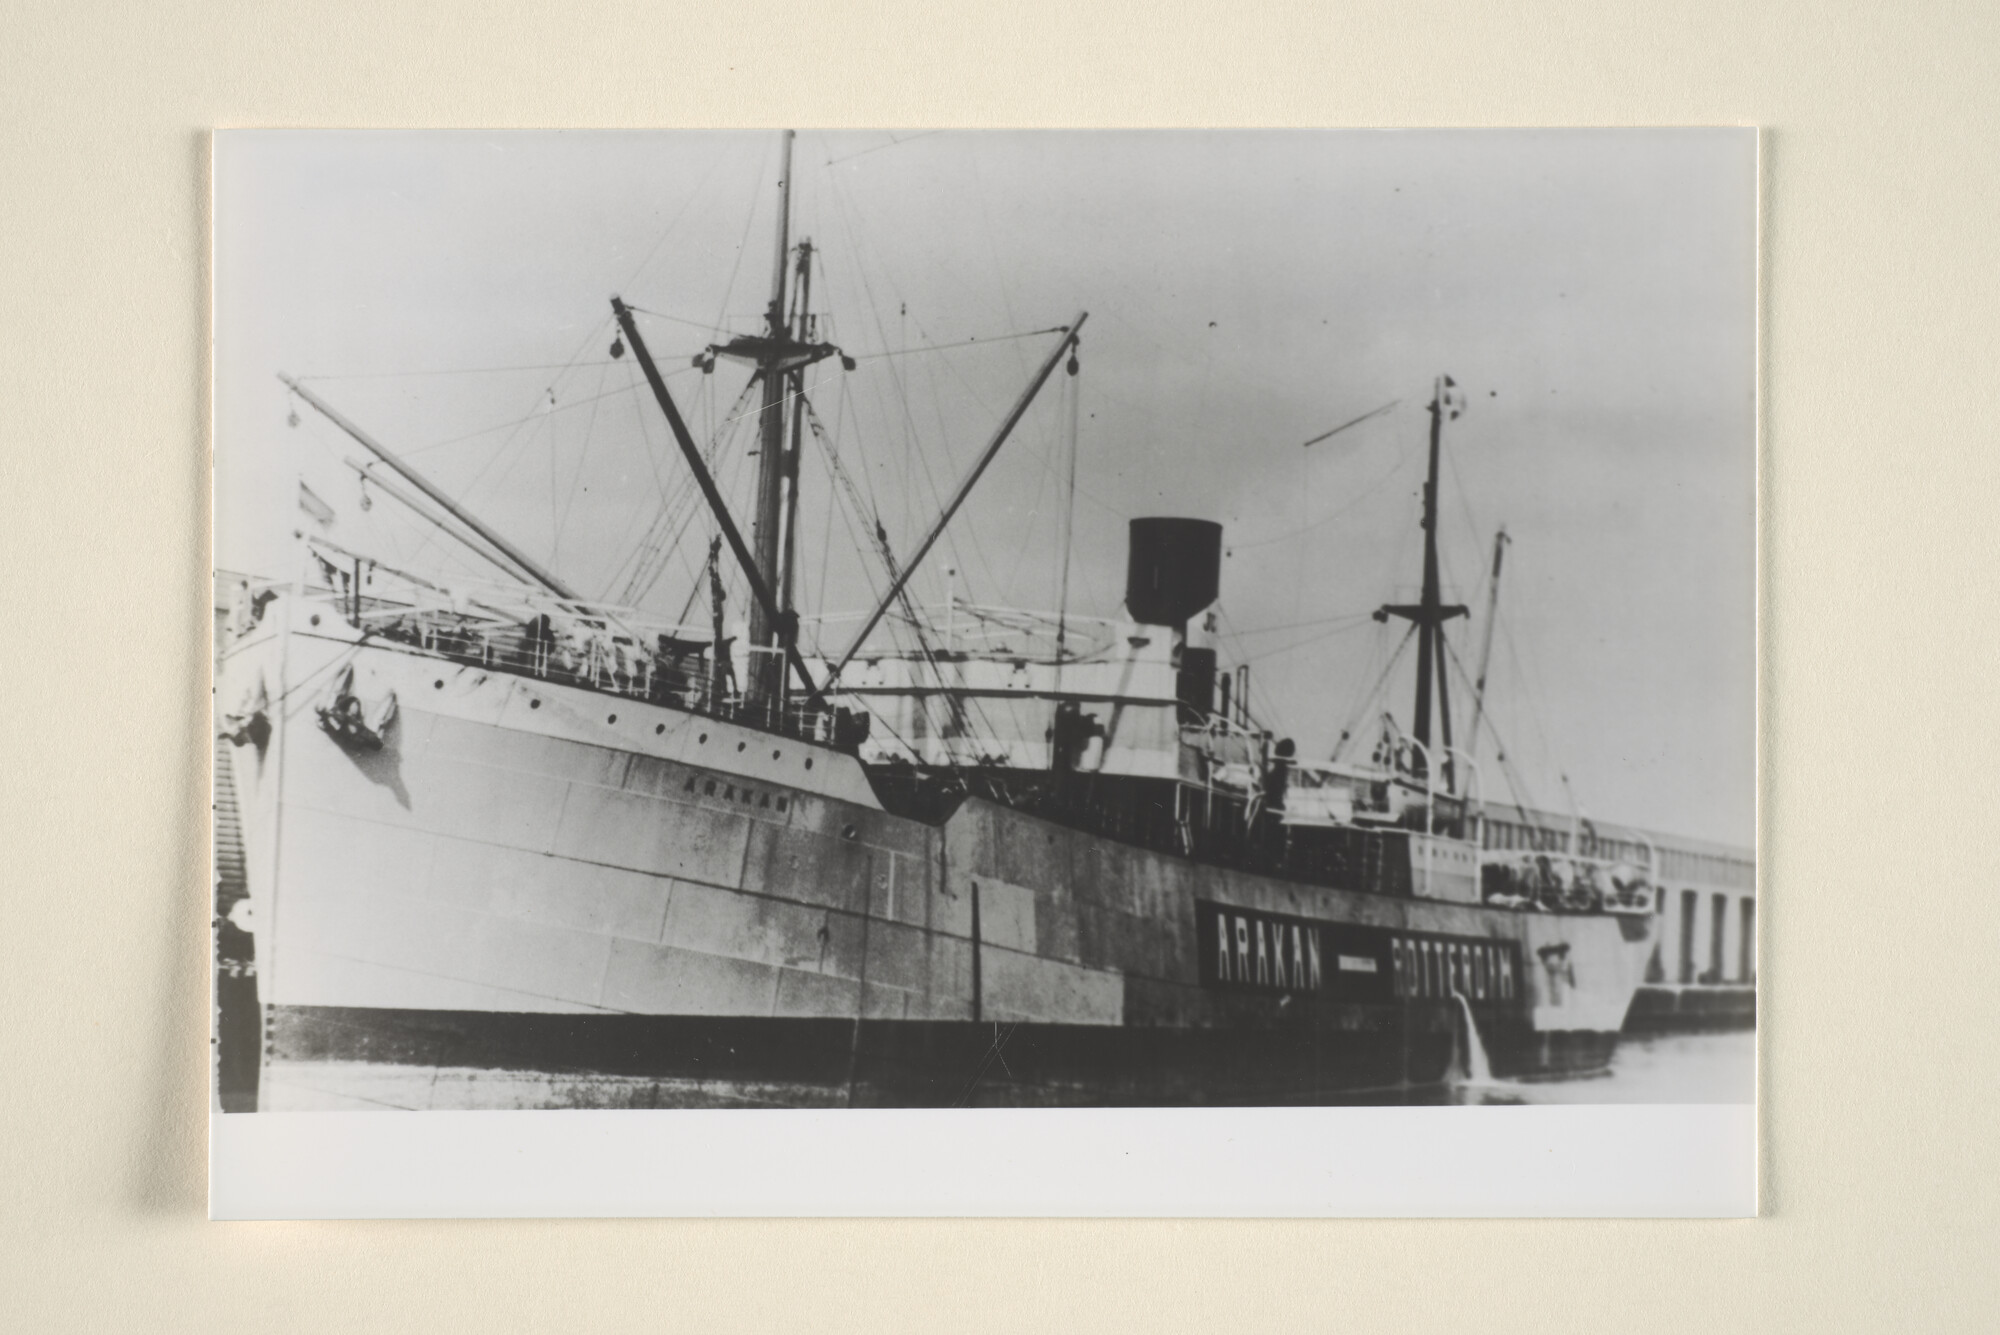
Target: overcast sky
x,y
1592,292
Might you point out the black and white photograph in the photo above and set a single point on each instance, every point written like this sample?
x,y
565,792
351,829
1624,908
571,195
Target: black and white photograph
x,y
914,619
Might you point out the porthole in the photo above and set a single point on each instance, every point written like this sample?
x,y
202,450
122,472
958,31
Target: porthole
x,y
703,739
610,718
659,728
849,832
774,755
741,745
315,618
809,762
438,685
534,704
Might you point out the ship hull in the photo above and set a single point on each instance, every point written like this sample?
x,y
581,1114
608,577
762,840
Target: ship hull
x,y
534,895
331,1057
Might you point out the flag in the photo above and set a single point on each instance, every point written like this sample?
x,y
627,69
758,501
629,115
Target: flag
x,y
321,512
1453,398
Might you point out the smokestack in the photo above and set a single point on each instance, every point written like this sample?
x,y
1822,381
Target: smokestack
x,y
1174,570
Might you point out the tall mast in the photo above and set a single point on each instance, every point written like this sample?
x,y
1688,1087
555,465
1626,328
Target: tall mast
x,y
802,331
1500,541
691,452
1430,613
780,361
766,670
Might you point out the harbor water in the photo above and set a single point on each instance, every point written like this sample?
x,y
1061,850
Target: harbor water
x,y
1709,1067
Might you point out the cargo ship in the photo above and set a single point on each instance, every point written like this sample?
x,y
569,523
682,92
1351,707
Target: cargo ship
x,y
495,844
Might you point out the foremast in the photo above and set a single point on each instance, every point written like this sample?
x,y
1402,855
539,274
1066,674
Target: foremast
x,y
1430,612
781,354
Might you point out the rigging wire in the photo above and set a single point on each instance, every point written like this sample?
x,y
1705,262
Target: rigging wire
x,y
893,143
1354,623
867,479
953,703
677,512
596,332
962,343
651,457
538,415
742,245
1378,656
872,521
1052,465
714,165
582,461
458,370
1524,802
691,507
1315,621
826,534
1401,462
1367,701
944,441
705,326
1024,527
1535,704
1464,496
687,607
843,212
973,147
844,207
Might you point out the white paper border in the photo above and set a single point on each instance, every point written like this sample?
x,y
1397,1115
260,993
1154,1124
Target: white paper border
x,y
1688,1160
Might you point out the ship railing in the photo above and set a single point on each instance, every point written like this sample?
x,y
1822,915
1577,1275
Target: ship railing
x,y
595,647
1323,794
1232,757
1461,799
1567,883
248,595
1372,859
977,630
1371,794
1223,834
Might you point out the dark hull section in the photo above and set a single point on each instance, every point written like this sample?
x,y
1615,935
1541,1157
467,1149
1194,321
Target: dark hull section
x,y
237,1037
1658,1009
1351,1054
236,1027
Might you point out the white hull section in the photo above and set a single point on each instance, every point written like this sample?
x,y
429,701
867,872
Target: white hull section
x,y
520,845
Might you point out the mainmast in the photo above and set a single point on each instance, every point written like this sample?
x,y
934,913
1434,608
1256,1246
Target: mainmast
x,y
766,670
1430,613
780,356
788,557
759,590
